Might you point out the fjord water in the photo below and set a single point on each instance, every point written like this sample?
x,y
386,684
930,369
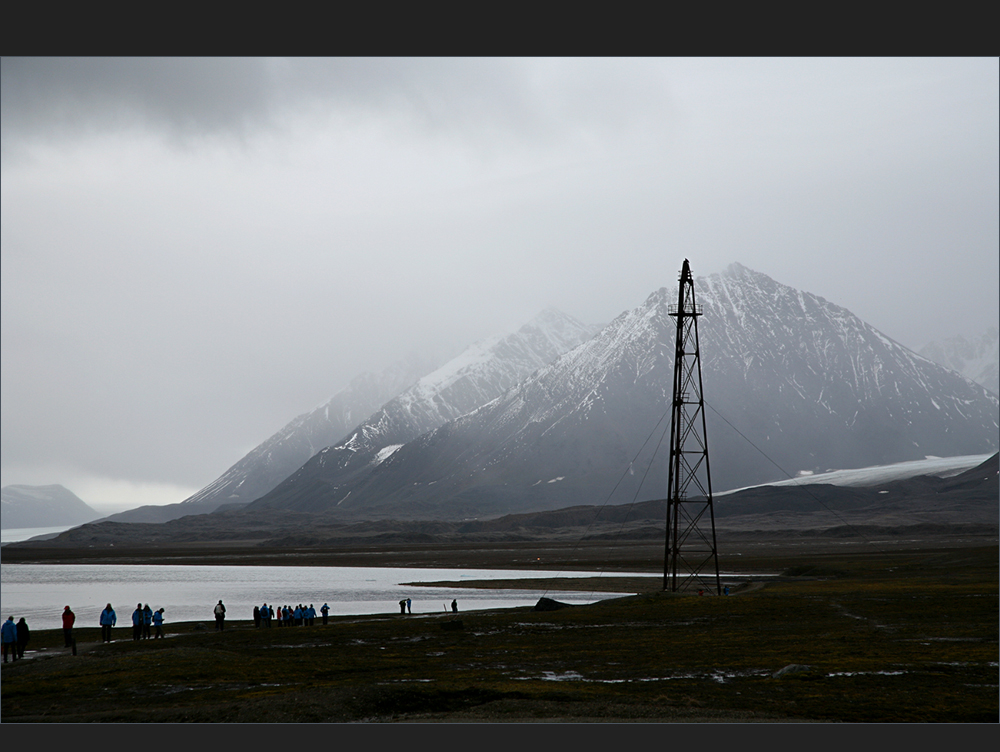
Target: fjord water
x,y
38,592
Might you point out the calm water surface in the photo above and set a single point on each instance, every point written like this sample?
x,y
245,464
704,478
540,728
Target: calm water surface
x,y
38,592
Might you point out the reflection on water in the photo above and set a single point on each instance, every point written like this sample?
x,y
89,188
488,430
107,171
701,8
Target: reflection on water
x,y
39,592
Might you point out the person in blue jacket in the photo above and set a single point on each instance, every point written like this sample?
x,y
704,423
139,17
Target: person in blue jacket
x,y
108,620
147,620
8,636
158,622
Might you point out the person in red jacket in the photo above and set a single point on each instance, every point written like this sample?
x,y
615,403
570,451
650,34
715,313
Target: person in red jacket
x,y
69,619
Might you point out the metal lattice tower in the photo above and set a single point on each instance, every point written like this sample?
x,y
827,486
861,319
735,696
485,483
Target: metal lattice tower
x,y
691,557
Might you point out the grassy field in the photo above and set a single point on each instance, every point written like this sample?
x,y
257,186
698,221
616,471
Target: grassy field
x,y
900,636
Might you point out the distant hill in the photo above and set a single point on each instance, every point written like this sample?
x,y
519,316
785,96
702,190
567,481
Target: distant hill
x,y
42,506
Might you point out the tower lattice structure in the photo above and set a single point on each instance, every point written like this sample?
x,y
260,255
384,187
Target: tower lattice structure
x,y
691,559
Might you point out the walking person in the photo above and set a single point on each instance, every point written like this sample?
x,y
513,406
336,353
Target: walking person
x,y
8,636
68,619
220,616
108,620
22,636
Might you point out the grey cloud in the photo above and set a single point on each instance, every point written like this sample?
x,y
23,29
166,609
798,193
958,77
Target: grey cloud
x,y
473,100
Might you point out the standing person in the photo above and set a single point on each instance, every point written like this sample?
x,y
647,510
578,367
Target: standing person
x,y
22,637
256,617
311,615
108,620
325,610
137,622
454,606
158,622
409,606
147,620
402,606
69,619
220,616
8,635
265,615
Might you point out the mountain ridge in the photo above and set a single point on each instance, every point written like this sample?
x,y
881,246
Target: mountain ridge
x,y
814,386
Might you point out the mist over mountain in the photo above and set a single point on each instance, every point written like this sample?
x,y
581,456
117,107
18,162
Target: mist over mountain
x,y
480,374
280,455
978,359
810,387
287,450
42,506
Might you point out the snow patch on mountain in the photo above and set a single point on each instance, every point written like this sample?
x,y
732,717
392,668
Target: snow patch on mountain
x,y
941,467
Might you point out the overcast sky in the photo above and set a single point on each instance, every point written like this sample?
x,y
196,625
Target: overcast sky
x,y
194,252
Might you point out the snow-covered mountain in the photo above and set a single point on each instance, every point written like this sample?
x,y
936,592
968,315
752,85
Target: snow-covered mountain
x,y
286,451
808,383
978,360
480,374
42,506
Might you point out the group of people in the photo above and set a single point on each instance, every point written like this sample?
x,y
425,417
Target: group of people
x,y
14,637
289,616
144,619
406,606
